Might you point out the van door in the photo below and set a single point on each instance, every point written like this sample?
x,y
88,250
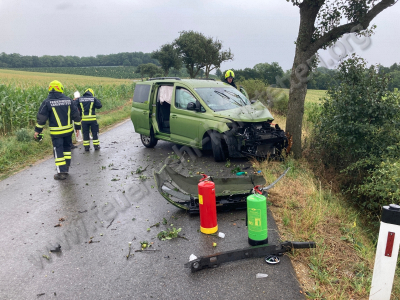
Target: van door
x,y
185,123
141,108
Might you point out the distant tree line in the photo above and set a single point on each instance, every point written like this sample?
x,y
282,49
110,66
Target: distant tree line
x,y
134,59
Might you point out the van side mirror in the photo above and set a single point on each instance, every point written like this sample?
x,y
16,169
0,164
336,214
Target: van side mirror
x,y
253,101
191,106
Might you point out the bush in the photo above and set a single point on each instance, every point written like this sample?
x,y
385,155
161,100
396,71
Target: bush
x,y
24,135
357,128
274,98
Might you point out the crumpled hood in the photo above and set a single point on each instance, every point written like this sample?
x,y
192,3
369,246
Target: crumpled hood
x,y
256,112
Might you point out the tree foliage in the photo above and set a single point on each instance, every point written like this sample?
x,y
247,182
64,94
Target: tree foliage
x,y
322,22
168,57
148,69
358,126
198,51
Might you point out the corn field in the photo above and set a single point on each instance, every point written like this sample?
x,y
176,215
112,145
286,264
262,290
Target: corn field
x,y
20,104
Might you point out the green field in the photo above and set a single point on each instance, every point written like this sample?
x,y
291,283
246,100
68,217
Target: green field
x,y
21,94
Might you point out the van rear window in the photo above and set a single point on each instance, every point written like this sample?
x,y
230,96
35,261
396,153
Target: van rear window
x,y
141,93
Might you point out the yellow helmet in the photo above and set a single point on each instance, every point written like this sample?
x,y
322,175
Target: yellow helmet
x,y
56,86
91,91
229,73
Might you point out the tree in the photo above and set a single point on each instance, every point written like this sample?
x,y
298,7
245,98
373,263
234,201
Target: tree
x,y
218,72
322,22
168,58
214,56
149,69
269,72
190,45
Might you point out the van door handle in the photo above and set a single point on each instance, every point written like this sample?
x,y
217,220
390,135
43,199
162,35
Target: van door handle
x,y
174,116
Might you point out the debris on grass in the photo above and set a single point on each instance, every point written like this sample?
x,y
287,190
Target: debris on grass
x,y
155,225
145,244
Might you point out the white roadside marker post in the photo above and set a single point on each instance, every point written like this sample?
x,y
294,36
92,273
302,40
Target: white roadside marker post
x,y
387,252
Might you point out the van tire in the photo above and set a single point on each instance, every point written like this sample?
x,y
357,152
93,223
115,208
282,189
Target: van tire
x,y
217,146
149,141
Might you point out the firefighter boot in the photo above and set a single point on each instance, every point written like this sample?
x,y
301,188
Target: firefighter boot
x,y
60,176
87,148
96,147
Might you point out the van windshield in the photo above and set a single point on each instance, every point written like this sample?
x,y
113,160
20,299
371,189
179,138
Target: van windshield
x,y
223,98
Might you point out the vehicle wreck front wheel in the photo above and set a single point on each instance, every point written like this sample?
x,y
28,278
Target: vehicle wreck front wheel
x,y
217,146
149,141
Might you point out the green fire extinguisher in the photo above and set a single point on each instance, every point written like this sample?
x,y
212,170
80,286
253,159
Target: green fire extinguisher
x,y
257,218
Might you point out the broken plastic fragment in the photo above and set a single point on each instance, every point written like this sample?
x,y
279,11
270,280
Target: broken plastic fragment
x,y
261,275
192,257
221,234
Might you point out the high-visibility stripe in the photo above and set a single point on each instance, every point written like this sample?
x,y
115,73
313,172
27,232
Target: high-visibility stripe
x,y
90,109
61,163
86,143
56,116
69,115
61,127
59,159
96,142
89,118
39,126
55,132
77,123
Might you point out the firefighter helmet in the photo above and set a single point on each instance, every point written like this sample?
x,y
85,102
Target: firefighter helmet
x,y
229,73
91,91
56,86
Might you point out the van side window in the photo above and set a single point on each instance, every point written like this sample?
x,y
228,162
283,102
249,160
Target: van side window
x,y
141,93
183,97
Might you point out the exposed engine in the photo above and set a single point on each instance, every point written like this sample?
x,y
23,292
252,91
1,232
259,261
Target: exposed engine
x,y
258,139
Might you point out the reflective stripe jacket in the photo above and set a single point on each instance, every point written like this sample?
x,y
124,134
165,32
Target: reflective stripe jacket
x,y
60,111
87,105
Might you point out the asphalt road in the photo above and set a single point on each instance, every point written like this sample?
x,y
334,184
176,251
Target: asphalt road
x,y
103,206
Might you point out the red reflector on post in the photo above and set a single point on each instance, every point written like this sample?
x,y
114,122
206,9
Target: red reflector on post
x,y
389,244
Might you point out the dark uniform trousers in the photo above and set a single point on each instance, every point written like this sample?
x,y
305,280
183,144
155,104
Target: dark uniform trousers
x,y
62,152
92,126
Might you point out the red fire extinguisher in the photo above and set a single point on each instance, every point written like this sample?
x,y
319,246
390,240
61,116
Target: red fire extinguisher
x,y
207,206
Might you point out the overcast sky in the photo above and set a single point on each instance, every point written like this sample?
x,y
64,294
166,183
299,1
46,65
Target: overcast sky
x,y
255,30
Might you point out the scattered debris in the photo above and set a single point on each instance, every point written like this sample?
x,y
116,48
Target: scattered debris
x,y
58,225
133,219
56,249
110,223
145,244
192,257
38,295
115,179
169,234
61,219
261,275
140,170
81,212
221,235
147,250
46,256
155,225
129,251
164,221
214,244
115,169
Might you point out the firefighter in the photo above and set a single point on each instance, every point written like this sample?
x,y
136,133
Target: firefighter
x,y
59,110
230,78
87,105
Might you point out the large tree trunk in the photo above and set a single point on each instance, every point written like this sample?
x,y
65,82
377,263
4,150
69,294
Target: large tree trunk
x,y
294,118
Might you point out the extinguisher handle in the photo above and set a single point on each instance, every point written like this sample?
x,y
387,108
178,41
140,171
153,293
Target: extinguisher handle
x,y
257,189
205,177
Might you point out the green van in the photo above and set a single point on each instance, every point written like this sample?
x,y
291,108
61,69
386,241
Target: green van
x,y
204,114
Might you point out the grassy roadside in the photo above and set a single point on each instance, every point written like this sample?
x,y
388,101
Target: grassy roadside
x,y
307,209
16,155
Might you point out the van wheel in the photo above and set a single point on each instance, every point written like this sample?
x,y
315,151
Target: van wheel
x,y
217,146
149,141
